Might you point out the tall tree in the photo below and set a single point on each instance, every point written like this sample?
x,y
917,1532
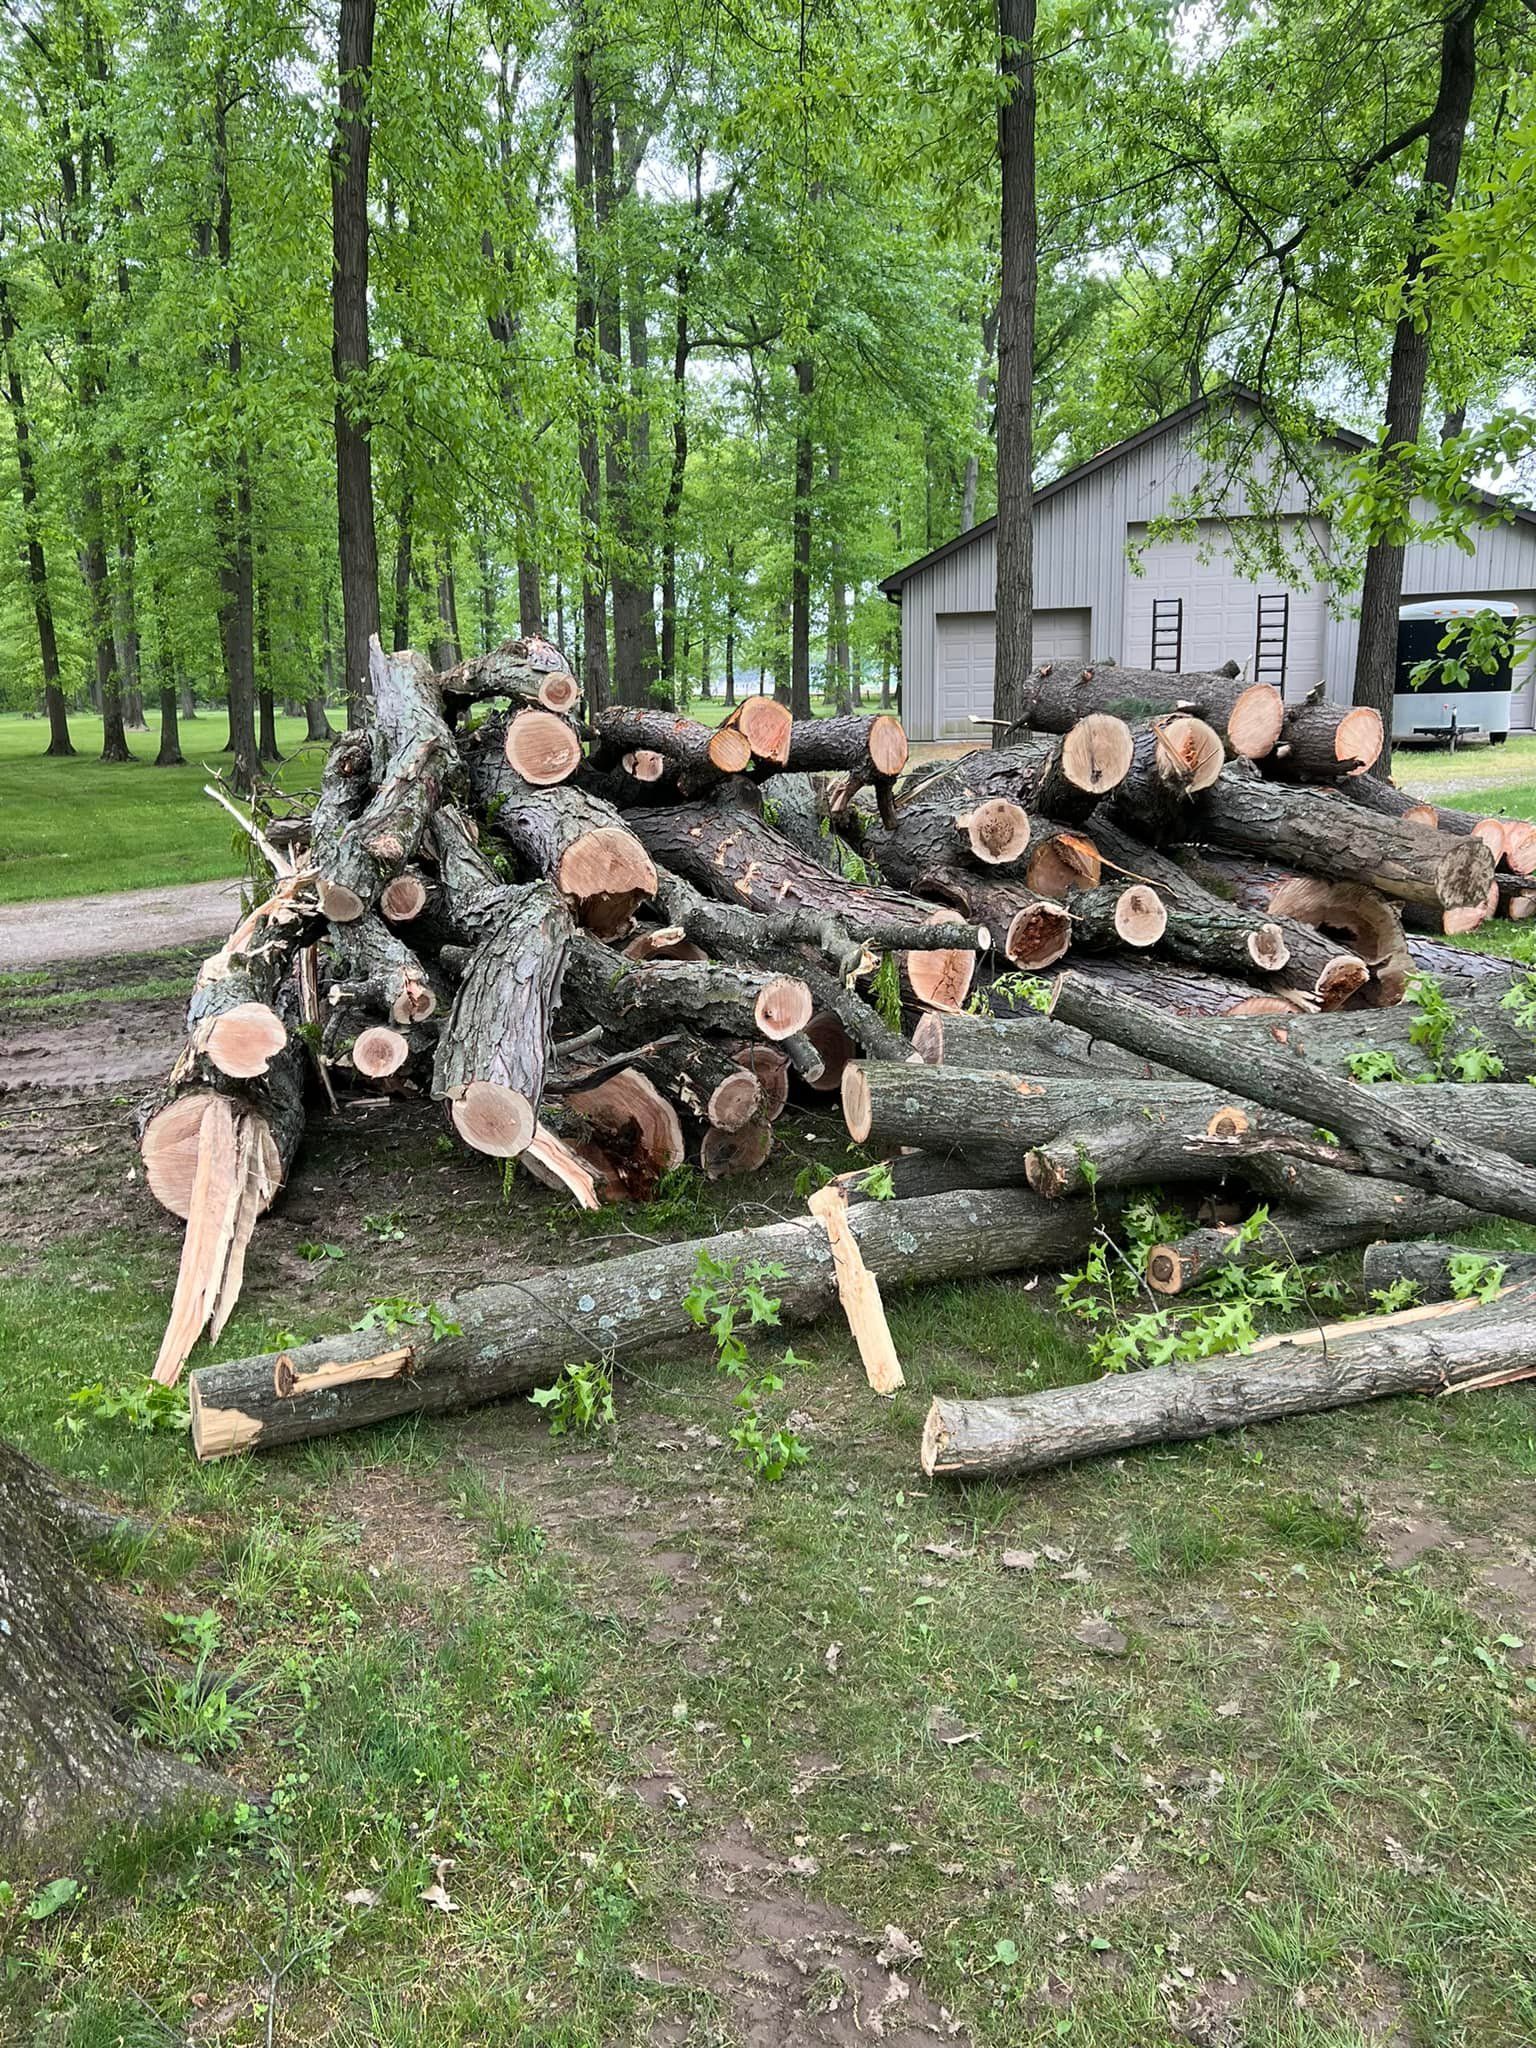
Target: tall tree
x,y
350,148
59,742
1015,361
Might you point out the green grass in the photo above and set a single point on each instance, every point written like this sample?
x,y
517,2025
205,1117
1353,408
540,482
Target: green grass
x,y
80,827
1501,780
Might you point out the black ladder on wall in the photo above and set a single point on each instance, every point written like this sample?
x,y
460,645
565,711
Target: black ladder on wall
x,y
1167,633
1273,639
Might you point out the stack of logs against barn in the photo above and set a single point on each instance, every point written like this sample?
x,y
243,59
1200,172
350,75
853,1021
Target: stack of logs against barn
x,y
1157,935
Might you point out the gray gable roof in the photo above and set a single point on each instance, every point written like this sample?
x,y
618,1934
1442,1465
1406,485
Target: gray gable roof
x,y
1236,394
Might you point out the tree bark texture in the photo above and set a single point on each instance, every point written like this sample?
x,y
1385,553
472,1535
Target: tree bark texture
x,y
1432,1269
1015,360
1248,716
350,150
494,1049
59,743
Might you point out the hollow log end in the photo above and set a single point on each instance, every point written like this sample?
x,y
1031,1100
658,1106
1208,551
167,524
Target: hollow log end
x,y
415,1003
542,748
1227,1122
1342,977
996,831
1066,861
858,1112
631,1115
1038,936
1165,1269
1254,722
378,1052
1197,748
245,1040
783,1007
1096,754
1140,918
1267,948
826,1033
493,1119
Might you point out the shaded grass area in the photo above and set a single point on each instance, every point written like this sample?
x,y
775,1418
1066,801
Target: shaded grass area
x,y
1302,1796
79,827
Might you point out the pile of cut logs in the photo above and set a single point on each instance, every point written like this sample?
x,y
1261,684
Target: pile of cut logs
x,y
610,944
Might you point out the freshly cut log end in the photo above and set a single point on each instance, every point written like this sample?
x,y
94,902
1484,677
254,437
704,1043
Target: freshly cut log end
x,y
338,904
940,979
1267,949
1194,749
604,875
169,1148
415,1003
1491,831
1140,918
645,765
403,898
784,1007
1067,861
543,748
729,750
766,725
1096,754
826,1033
1228,1122
1265,1006
667,944
636,1128
559,692
928,1039
888,746
1421,814
997,831
1165,1270
736,1101
1038,936
1520,845
1254,722
1466,917
724,1154
1342,977
858,1107
1365,921
379,1052
771,1069
493,1119
1358,739
244,1041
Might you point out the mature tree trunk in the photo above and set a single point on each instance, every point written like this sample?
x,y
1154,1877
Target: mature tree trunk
x,y
514,1337
125,629
93,564
800,569
1382,590
266,741
170,755
59,742
730,622
400,621
357,544
1015,363
594,609
69,1761
983,418
445,644
681,347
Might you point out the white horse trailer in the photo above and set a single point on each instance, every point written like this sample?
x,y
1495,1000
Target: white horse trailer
x,y
1444,710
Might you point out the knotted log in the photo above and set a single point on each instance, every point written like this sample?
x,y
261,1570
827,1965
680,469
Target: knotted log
x,y
529,670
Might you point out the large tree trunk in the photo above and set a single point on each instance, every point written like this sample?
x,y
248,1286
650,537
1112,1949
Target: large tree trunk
x,y
1248,716
1422,1351
800,553
69,1760
1015,362
350,150
1382,589
59,742
93,564
594,609
515,1336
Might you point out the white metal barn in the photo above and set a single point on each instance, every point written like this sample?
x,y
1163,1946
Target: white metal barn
x,y
1104,591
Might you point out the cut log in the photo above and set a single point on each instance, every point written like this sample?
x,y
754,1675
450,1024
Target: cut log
x,y
1433,1269
1334,1042
725,1154
826,1033
635,1003
1185,991
543,748
1422,1351
1325,743
493,1054
1391,1143
554,1164
568,837
632,1134
1173,760
995,833
728,931
668,943
872,749
516,1336
372,968
1062,778
1028,1044
1248,716
770,1068
1117,916
766,725
383,1052
641,739
1031,931
529,670
352,766
1322,830
1061,859
405,898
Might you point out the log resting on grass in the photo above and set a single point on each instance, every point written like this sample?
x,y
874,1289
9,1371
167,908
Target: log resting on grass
x,y
1322,830
1354,1212
493,1053
1391,1143
1247,715
1449,1346
519,1334
570,838
528,670
1432,1268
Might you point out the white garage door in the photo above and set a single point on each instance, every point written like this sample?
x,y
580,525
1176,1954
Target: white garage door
x,y
1220,610
967,646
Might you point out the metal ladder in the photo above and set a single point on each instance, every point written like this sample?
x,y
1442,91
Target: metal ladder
x,y
1167,633
1272,643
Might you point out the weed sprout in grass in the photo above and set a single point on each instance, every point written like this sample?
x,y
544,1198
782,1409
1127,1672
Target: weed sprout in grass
x,y
723,1303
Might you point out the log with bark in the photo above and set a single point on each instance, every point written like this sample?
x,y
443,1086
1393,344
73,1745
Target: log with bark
x,y
1173,760
529,671
1445,1348
1063,777
1438,1272
1249,716
510,1337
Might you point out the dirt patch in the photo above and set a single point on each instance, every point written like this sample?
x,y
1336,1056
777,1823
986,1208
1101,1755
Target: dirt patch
x,y
137,921
402,1527
1407,1536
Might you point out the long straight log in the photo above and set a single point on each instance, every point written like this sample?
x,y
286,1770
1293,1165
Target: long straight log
x,y
1391,1143
1422,1351
1433,1268
517,1335
1353,1211
493,1053
1249,716
1185,991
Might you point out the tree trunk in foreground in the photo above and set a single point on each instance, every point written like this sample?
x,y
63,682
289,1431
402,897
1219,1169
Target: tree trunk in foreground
x,y
1447,1346
68,1760
515,1336
1016,362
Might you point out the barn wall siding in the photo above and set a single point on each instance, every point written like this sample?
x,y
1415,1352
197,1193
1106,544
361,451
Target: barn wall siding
x,y
1082,562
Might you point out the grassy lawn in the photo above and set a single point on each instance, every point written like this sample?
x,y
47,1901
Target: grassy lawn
x,y
1500,780
1228,1743
78,827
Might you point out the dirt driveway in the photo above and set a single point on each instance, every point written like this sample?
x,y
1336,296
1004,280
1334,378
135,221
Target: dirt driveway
x,y
98,927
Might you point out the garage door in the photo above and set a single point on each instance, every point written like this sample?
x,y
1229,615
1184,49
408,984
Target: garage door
x,y
967,647
1220,611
